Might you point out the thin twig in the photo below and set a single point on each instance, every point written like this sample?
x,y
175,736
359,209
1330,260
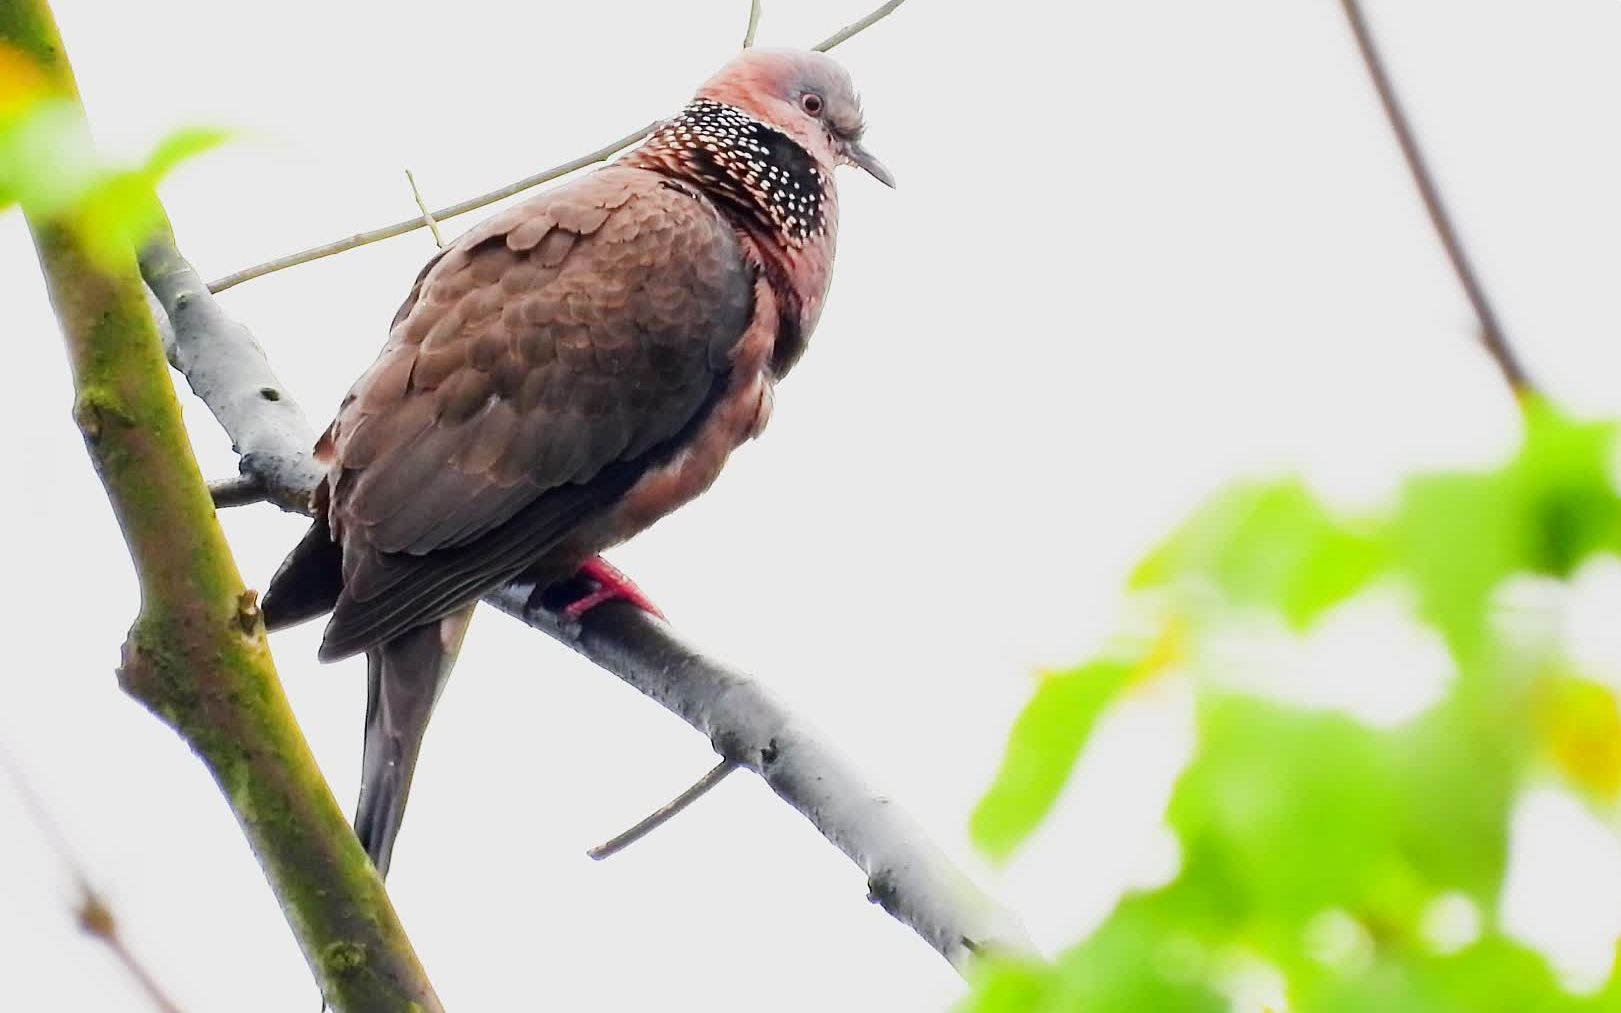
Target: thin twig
x,y
474,203
412,224
754,23
855,28
93,914
242,490
662,815
427,216
1491,330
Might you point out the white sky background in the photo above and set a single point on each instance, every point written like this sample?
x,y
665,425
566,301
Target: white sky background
x,y
1138,249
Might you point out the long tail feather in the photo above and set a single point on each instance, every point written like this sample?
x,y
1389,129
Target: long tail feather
x,y
404,678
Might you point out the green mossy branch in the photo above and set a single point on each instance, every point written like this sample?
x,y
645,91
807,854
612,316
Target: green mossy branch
x,y
197,654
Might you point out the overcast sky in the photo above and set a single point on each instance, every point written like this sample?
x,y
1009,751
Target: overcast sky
x,y
1137,249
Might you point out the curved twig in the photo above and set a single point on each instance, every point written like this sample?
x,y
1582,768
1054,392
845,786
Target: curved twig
x,y
1491,329
603,153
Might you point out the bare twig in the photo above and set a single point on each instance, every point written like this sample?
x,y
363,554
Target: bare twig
x,y
94,915
754,23
907,874
474,203
1491,329
855,28
427,216
241,490
662,815
412,224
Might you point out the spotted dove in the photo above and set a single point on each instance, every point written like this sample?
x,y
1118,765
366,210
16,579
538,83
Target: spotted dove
x,y
562,376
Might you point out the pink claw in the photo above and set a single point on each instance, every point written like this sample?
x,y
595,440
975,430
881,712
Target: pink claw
x,y
611,583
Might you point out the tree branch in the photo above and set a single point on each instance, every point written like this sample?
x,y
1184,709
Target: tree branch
x,y
907,874
664,813
197,655
1491,329
603,153
241,490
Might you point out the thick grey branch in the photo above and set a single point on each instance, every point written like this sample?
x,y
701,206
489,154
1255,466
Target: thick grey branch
x,y
228,371
907,874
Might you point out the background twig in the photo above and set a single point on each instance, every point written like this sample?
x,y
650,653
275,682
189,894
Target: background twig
x,y
1491,329
93,913
855,28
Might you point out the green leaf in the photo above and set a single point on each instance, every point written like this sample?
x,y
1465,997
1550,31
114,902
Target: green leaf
x,y
49,166
1455,537
1142,958
1008,985
1284,813
177,147
1272,545
46,159
1495,975
1042,749
1562,476
1458,535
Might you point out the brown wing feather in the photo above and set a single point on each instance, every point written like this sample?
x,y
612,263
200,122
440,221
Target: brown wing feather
x,y
537,366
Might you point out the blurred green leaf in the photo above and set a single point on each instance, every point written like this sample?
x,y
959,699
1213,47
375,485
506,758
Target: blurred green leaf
x,y
179,146
1138,961
1041,750
1458,535
1009,985
48,164
1562,475
1495,975
1285,813
1272,545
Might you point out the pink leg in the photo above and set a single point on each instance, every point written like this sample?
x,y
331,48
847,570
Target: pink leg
x,y
611,584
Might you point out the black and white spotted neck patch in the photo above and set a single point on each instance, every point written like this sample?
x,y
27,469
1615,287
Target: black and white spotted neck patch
x,y
750,165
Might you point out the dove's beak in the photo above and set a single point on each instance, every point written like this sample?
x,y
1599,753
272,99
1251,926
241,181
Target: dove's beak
x,y
862,158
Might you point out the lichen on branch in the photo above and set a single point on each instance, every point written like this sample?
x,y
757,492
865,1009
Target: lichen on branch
x,y
197,654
